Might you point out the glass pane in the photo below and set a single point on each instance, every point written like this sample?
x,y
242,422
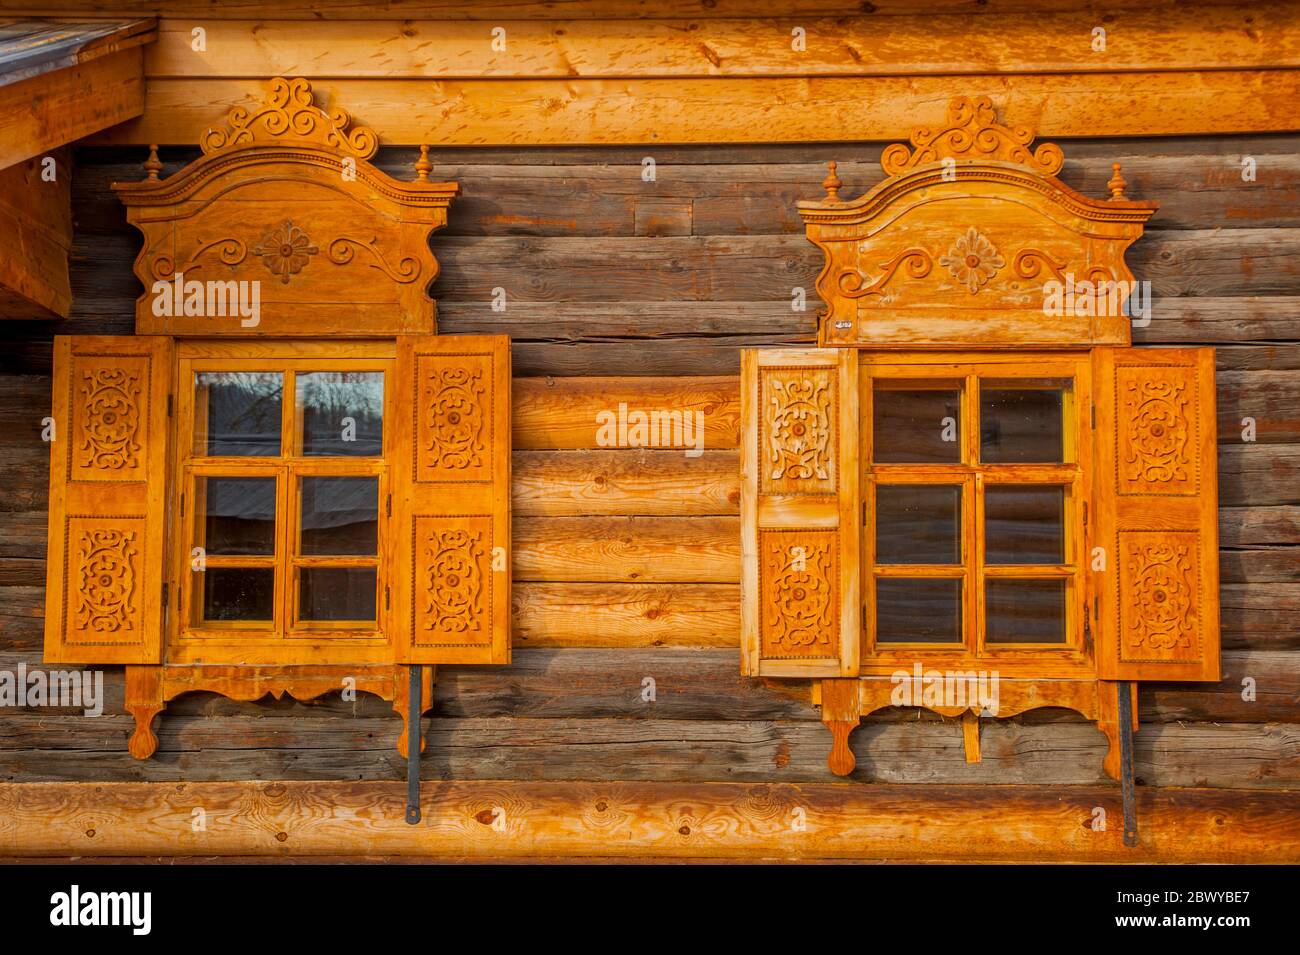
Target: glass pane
x,y
1024,525
342,412
918,524
918,611
238,593
916,427
336,593
1020,426
238,515
237,413
340,516
1024,611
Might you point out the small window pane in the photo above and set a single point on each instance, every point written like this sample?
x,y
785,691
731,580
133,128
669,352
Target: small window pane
x,y
1024,611
918,611
1024,525
918,524
238,515
239,593
1021,426
342,413
916,427
340,516
337,593
237,413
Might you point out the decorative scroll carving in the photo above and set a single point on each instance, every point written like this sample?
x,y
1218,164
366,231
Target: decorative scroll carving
x,y
972,260
110,419
106,569
290,112
1161,589
916,262
455,568
285,251
340,253
972,131
1157,442
798,431
455,418
800,589
976,198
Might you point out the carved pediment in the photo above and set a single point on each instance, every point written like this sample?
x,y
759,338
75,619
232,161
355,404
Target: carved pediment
x,y
972,241
285,196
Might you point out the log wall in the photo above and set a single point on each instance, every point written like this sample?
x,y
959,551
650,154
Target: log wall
x,y
627,561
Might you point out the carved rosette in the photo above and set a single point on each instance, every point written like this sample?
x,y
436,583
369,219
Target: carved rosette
x,y
285,251
1157,441
1160,587
455,568
110,419
106,569
798,430
455,434
800,576
972,260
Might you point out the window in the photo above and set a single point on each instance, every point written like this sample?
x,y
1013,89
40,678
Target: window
x,y
973,489
284,478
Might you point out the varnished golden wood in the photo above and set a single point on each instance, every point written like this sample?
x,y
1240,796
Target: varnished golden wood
x,y
285,196
36,237
958,246
150,688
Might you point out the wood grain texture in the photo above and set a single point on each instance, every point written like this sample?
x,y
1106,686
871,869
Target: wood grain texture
x,y
818,109
36,225
630,820
1151,40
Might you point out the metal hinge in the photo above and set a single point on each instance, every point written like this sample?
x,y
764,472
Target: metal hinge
x,y
1092,408
1085,513
164,597
386,601
388,506
169,406
864,616
182,504
1087,627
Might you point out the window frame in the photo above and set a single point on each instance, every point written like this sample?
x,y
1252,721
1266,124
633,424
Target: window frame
x,y
286,641
943,370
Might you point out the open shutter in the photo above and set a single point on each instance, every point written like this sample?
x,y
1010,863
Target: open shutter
x,y
1156,507
800,612
451,499
108,499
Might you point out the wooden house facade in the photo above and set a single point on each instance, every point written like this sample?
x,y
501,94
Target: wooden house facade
x,y
578,246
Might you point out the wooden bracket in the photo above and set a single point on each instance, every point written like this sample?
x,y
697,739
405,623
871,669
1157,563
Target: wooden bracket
x,y
970,734
841,714
149,688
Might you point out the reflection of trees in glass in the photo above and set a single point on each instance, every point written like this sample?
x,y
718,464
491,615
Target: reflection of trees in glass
x,y
243,411
328,399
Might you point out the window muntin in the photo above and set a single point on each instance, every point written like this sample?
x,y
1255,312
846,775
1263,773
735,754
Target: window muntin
x,y
286,499
1008,577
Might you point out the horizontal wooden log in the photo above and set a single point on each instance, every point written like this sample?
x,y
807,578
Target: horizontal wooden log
x,y
1213,38
697,683
817,109
1220,756
625,483
621,549
637,615
639,820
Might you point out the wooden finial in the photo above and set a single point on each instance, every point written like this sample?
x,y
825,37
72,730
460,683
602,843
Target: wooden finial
x,y
1116,184
422,165
832,182
151,165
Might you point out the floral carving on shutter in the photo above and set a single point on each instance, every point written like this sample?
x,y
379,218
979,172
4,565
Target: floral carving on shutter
x,y
798,441
800,571
1161,418
457,432
106,568
458,579
1159,588
109,417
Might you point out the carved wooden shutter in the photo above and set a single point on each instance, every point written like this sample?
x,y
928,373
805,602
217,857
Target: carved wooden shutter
x,y
800,612
108,503
451,500
1156,515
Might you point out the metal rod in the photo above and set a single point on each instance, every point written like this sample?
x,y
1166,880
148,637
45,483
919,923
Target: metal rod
x,y
1125,691
414,710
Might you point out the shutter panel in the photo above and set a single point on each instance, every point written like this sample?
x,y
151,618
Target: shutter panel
x,y
800,612
451,499
108,499
1156,506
